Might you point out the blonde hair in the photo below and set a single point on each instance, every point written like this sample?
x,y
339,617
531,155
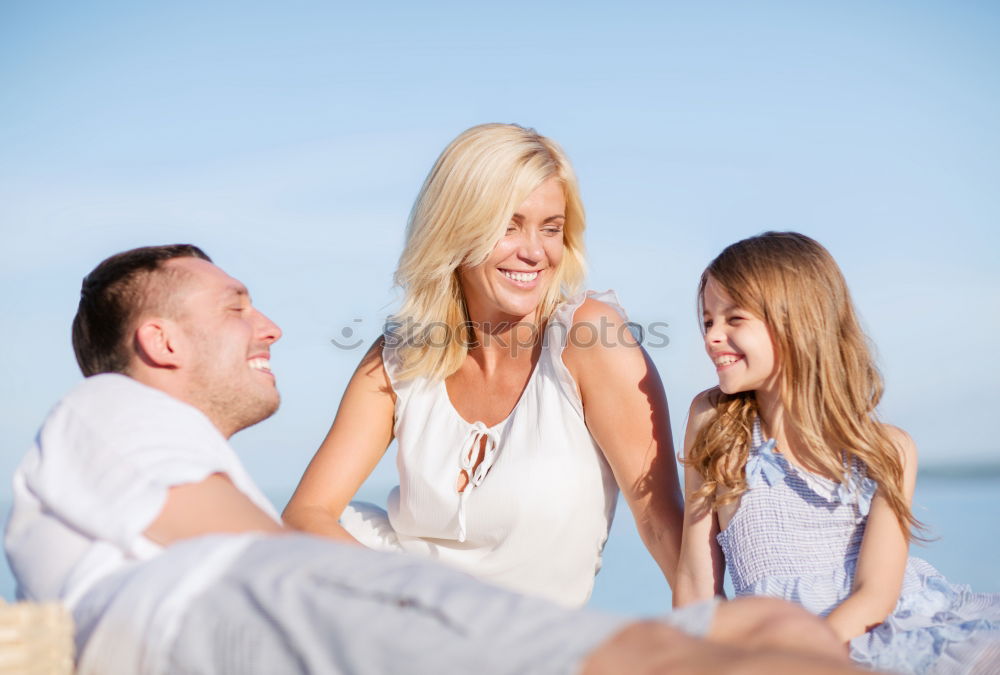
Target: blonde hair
x,y
462,211
829,384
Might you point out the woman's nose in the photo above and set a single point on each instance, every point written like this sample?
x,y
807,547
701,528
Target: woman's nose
x,y
531,248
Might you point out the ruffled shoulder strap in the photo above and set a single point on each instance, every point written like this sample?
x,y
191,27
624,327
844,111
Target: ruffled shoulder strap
x,y
559,332
393,365
859,488
391,361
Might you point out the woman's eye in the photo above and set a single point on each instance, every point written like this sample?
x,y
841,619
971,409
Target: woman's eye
x,y
552,231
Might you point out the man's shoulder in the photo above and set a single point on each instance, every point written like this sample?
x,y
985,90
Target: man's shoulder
x,y
97,391
110,405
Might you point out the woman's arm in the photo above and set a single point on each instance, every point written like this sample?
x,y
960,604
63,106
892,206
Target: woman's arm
x,y
878,578
702,565
361,432
626,412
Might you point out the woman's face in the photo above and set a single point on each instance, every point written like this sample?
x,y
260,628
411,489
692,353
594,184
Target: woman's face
x,y
510,284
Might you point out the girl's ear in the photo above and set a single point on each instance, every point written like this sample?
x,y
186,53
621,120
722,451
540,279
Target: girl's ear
x,y
157,343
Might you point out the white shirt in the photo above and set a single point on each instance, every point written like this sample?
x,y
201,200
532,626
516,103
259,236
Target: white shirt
x,y
95,479
536,513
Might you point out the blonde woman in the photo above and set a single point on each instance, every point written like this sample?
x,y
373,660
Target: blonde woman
x,y
520,404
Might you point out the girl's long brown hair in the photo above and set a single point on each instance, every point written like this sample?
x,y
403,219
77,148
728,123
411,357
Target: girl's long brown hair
x,y
829,384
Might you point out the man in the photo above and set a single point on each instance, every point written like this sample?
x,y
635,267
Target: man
x,y
133,510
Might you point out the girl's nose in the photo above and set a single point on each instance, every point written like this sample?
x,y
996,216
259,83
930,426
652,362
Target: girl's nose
x,y
713,334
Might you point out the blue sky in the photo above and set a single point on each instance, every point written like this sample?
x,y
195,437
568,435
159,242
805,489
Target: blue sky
x,y
289,140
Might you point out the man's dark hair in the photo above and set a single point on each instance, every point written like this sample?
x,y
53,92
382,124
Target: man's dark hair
x,y
111,298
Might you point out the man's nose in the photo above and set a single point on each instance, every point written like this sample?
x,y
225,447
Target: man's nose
x,y
267,330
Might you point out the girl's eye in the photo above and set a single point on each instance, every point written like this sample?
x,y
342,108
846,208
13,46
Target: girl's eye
x,y
735,319
707,324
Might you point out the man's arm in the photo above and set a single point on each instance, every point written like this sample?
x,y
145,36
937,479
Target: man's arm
x,y
213,505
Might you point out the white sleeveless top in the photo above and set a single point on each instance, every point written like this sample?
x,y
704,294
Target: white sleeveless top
x,y
536,512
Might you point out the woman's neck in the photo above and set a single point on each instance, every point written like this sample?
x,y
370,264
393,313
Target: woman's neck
x,y
502,340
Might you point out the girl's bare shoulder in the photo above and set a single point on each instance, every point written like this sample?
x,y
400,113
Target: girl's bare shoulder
x,y
702,408
903,443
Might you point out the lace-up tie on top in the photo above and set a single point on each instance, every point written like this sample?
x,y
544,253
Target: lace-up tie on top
x,y
476,473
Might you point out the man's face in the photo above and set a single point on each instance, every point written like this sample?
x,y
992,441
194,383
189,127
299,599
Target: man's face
x,y
226,344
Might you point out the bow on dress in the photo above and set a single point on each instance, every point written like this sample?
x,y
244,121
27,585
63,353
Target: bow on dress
x,y
765,466
476,472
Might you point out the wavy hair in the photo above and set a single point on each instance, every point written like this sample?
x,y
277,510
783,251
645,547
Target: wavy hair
x,y
829,384
461,212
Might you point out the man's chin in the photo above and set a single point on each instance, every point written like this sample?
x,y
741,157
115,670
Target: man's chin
x,y
270,407
260,411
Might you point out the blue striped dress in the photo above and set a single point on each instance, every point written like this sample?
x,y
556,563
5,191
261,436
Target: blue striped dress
x,y
796,536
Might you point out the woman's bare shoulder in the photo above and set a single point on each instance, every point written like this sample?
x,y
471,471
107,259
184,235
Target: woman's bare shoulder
x,y
599,341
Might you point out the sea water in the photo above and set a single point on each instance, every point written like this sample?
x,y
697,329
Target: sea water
x,y
962,510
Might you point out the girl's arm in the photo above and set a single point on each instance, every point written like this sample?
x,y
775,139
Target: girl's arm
x,y
702,565
361,432
878,578
625,409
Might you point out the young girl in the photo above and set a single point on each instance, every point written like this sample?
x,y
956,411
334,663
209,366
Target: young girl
x,y
794,484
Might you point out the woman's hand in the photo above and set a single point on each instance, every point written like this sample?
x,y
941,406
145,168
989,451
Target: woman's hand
x,y
361,432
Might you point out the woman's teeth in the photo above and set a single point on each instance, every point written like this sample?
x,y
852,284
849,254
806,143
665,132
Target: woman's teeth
x,y
520,276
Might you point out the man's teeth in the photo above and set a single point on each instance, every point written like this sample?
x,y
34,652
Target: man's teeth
x,y
726,360
260,364
520,276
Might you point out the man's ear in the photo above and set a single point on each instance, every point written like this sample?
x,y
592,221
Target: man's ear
x,y
158,343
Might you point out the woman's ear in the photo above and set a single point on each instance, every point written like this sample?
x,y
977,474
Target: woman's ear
x,y
157,343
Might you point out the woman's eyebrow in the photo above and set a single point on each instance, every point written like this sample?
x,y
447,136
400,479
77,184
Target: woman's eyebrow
x,y
559,216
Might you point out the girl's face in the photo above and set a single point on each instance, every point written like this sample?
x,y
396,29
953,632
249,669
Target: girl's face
x,y
512,281
738,343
